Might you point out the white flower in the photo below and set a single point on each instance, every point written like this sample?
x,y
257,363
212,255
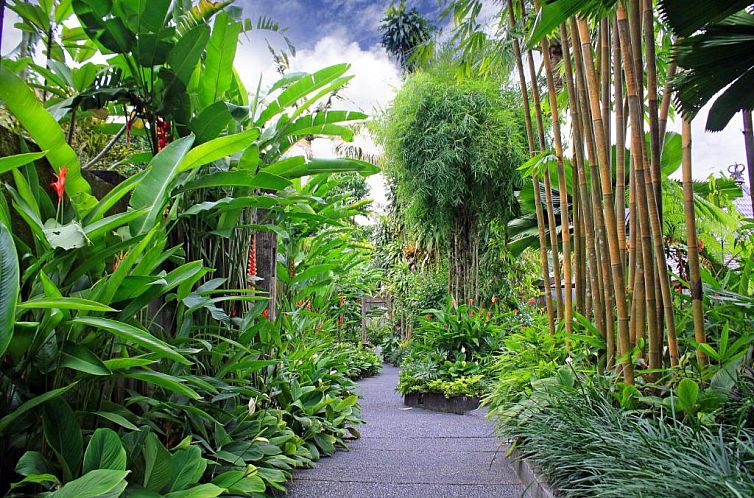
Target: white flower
x,y
569,360
463,349
252,406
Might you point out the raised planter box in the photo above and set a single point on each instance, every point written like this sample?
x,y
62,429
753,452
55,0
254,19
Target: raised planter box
x,y
439,403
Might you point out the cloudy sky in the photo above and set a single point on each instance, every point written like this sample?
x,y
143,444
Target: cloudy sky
x,y
327,32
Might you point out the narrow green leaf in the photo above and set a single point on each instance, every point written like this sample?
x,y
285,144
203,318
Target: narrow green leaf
x,y
135,335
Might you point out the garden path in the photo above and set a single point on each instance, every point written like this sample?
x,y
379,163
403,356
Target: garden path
x,y
405,453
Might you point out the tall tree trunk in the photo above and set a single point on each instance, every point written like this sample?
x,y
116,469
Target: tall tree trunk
x,y
266,259
563,187
695,279
608,201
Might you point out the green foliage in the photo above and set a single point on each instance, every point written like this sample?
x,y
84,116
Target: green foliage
x,y
565,427
403,32
452,146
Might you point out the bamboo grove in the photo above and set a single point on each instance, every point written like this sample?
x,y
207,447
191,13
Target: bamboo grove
x,y
608,262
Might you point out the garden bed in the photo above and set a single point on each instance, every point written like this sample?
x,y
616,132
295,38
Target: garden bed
x,y
440,403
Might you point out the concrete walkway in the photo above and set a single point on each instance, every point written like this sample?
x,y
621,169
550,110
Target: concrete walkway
x,y
406,453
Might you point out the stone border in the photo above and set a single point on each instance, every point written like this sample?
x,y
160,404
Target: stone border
x,y
535,485
439,403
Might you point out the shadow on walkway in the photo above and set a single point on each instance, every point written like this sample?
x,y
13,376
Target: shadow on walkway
x,y
411,453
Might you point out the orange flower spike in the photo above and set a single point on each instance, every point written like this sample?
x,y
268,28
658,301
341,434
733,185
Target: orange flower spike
x,y
59,184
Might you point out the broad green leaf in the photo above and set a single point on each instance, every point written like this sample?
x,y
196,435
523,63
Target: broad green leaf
x,y
211,121
240,482
186,53
242,178
126,363
10,163
290,168
79,357
32,403
94,484
200,491
688,393
217,149
299,89
63,433
65,303
106,225
111,198
135,335
46,132
218,66
104,451
169,382
157,464
153,190
117,419
9,287
32,462
188,466
36,479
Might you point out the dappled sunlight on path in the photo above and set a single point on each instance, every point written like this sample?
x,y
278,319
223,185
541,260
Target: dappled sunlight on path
x,y
410,453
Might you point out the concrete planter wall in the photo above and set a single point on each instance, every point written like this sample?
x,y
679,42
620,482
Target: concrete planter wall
x,y
439,403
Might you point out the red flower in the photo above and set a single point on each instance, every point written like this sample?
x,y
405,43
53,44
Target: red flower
x,y
471,314
59,184
428,316
532,301
266,313
251,271
515,312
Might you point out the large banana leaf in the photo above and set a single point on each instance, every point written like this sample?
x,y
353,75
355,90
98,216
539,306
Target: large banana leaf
x,y
218,67
46,132
302,87
9,286
153,191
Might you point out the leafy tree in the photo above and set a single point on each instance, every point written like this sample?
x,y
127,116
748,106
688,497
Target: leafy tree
x,y
452,150
402,32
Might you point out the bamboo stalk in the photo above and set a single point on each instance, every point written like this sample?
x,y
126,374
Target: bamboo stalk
x,y
565,233
620,145
695,279
584,204
535,180
608,202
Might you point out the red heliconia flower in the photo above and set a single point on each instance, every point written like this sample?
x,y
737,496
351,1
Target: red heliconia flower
x,y
163,132
532,301
266,313
251,270
471,314
59,184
